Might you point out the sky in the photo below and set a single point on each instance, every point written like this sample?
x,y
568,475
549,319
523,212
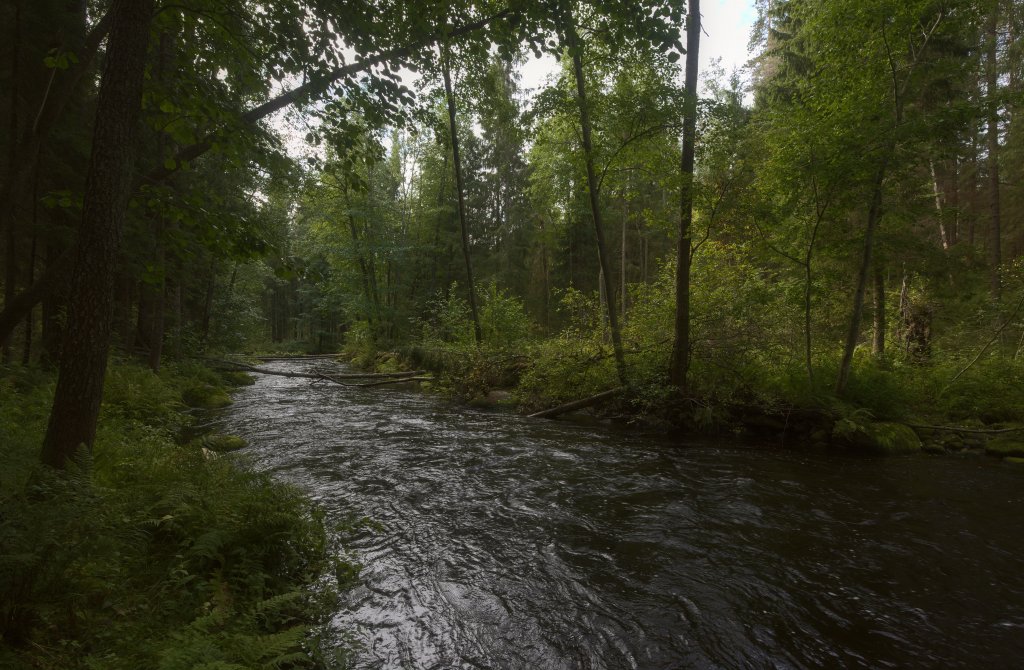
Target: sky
x,y
726,26
726,32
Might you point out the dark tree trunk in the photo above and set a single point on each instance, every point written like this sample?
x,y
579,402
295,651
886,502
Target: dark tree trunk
x,y
76,402
878,337
11,259
10,281
853,334
211,287
460,188
607,278
59,94
680,363
26,354
157,324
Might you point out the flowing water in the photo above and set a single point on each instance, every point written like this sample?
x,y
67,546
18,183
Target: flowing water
x,y
504,542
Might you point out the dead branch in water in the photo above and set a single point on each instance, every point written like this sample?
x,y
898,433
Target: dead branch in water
x,y
577,404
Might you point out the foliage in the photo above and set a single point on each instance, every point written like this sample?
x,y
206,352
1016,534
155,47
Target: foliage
x,y
148,554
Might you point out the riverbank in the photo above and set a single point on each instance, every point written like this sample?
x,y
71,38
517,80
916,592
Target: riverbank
x,y
892,421
155,551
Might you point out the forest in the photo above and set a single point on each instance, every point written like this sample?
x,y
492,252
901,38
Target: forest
x,y
827,242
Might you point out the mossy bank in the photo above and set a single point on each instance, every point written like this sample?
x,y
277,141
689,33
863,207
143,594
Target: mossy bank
x,y
149,553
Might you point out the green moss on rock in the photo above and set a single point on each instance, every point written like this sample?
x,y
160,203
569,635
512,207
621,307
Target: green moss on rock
x,y
1005,446
205,396
238,378
224,443
1015,460
882,437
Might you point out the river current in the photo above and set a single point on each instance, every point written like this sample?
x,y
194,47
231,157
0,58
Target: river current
x,y
497,541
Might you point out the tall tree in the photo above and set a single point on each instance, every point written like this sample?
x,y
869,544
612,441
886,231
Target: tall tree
x,y
680,362
607,279
460,189
992,139
83,363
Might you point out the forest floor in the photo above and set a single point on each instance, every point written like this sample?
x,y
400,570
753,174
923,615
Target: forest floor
x,y
157,549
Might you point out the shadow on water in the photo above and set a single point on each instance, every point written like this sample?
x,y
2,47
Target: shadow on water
x,y
506,542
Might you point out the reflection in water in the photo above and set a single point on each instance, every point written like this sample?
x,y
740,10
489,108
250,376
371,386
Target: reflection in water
x,y
505,542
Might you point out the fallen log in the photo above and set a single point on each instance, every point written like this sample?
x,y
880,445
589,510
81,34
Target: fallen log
x,y
312,375
310,357
577,404
958,429
401,380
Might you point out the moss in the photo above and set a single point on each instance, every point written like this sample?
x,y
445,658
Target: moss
x,y
388,362
205,396
238,378
1005,446
1014,460
883,437
223,443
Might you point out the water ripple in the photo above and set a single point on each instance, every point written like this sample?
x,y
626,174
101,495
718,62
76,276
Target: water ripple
x,y
503,542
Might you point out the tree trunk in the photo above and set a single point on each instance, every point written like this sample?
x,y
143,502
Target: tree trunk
x,y
76,402
179,319
622,256
853,334
26,354
10,281
878,338
992,87
454,129
11,264
211,287
680,362
595,207
937,195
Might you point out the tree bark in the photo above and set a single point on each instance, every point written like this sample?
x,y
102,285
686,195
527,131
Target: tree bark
x,y
576,404
992,88
878,337
76,402
28,145
680,363
944,236
595,207
11,255
459,187
853,334
26,354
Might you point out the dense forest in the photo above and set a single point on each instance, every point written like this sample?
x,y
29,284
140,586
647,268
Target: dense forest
x,y
833,231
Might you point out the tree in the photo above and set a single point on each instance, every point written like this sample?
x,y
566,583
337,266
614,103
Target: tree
x,y
679,364
83,363
576,52
460,190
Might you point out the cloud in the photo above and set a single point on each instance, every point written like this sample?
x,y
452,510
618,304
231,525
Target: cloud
x,y
726,32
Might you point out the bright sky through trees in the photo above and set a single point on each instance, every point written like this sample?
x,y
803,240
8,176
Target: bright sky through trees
x,y
726,25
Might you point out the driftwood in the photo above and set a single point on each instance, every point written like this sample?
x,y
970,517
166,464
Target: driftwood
x,y
309,357
958,429
400,380
313,375
577,404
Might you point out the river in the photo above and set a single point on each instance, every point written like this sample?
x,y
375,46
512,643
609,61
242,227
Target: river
x,y
499,541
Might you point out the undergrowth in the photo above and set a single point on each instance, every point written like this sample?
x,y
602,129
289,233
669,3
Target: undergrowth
x,y
742,362
146,554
